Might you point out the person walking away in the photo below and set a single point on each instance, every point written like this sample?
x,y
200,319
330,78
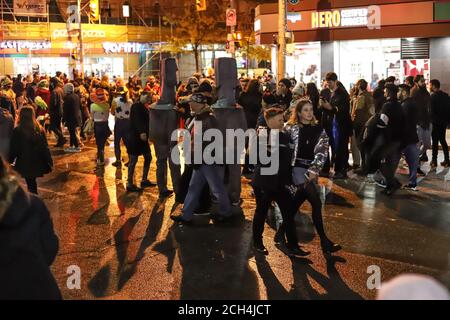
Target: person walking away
x,y
138,141
310,152
29,149
267,187
422,98
6,130
121,108
56,113
28,243
392,122
409,146
72,116
440,116
100,114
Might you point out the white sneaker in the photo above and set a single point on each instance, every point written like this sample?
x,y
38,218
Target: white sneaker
x,y
76,150
69,149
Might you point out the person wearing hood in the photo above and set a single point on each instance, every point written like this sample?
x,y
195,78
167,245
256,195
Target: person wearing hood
x,y
182,106
72,116
56,113
6,129
42,101
29,149
100,115
28,243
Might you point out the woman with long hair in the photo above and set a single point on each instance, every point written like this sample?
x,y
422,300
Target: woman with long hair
x,y
313,95
29,149
310,153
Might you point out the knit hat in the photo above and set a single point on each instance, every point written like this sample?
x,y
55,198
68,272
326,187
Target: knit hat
x,y
43,84
68,88
286,82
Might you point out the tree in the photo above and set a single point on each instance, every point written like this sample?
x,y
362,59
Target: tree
x,y
195,28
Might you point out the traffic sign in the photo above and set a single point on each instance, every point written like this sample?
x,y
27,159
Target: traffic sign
x,y
231,17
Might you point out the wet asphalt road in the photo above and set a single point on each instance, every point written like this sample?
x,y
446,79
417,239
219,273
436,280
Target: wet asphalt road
x,y
128,248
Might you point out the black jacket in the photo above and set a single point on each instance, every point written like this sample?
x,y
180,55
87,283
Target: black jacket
x,y
440,108
392,121
252,107
31,153
285,101
282,177
56,103
340,101
422,99
410,122
28,246
378,98
139,123
72,110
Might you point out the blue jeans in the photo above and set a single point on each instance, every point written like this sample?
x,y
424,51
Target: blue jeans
x,y
206,174
424,139
411,153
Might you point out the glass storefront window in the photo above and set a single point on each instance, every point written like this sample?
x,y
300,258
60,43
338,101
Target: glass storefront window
x,y
104,66
303,62
371,60
42,65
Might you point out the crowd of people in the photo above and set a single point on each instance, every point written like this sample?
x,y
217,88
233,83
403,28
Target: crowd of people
x,y
377,128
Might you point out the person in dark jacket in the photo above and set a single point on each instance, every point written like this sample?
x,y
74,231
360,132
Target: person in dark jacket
x,y
410,139
29,149
378,96
337,124
270,187
138,140
203,173
284,94
391,122
72,116
56,113
251,100
421,97
28,244
6,129
310,151
440,115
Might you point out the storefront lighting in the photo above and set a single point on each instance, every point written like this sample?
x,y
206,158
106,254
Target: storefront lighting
x,y
126,10
411,39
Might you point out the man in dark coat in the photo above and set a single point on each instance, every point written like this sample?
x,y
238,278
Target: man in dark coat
x,y
56,113
440,115
138,141
338,124
421,97
72,116
28,244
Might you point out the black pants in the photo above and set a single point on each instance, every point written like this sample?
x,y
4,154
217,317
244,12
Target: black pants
x,y
339,153
438,136
264,199
359,133
304,192
55,126
132,166
73,136
32,185
388,168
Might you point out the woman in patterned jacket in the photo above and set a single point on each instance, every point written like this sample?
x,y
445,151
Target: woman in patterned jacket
x,y
310,146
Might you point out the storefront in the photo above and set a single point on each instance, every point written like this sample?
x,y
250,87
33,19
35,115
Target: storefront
x,y
111,50
369,39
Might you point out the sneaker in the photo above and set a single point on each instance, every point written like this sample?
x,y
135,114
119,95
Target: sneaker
x,y
445,164
259,247
69,149
147,183
424,158
296,251
133,188
420,172
433,164
179,219
411,187
329,247
381,183
117,163
279,237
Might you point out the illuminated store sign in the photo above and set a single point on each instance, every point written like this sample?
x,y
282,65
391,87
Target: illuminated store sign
x,y
62,33
125,47
19,45
340,18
